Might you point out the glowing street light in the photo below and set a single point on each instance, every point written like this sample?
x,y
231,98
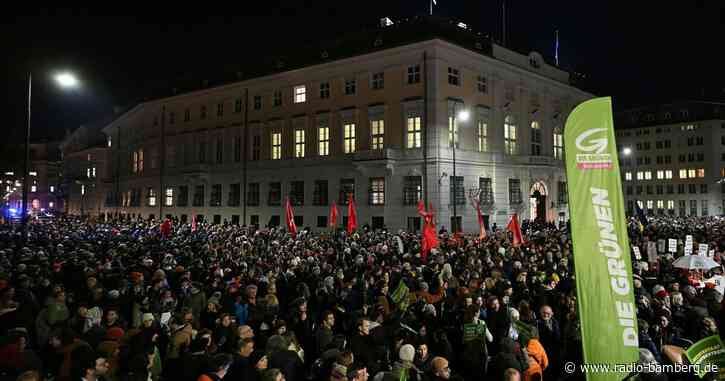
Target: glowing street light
x,y
627,151
66,80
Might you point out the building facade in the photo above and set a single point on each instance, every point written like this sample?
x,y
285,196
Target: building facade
x,y
85,167
44,178
382,125
672,158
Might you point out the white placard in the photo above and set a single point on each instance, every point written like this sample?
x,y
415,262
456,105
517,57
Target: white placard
x,y
651,252
711,253
637,254
661,245
702,249
719,281
672,245
688,245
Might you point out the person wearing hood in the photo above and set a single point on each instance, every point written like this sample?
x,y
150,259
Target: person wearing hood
x,y
508,357
196,301
404,368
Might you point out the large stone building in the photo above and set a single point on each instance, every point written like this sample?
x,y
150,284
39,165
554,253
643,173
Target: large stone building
x,y
672,158
374,117
85,170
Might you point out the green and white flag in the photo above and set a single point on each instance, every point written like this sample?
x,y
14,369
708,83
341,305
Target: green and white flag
x,y
599,234
400,296
708,355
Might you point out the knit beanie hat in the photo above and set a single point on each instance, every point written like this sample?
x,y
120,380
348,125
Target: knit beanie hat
x,y
406,353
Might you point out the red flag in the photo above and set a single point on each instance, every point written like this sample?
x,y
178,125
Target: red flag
x,y
429,239
351,215
290,218
515,228
333,214
193,223
166,228
481,223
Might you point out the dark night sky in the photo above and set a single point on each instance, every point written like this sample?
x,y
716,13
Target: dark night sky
x,y
639,54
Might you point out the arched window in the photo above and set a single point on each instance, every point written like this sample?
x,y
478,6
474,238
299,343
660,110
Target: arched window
x,y
535,138
510,135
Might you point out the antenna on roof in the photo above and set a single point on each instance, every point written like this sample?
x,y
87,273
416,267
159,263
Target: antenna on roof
x,y
504,23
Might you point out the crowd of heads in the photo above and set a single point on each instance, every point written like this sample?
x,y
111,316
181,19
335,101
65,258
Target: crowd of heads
x,y
121,300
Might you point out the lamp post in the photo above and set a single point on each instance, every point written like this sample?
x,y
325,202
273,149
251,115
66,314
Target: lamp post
x,y
64,80
463,116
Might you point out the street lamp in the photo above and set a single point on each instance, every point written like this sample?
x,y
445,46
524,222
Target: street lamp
x,y
463,116
627,151
65,80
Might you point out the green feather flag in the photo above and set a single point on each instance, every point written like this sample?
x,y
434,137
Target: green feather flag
x,y
400,296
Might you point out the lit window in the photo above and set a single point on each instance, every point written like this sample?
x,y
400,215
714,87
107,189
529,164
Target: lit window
x,y
668,174
108,141
660,175
691,173
628,176
377,191
299,143
51,204
33,188
670,204
640,175
33,173
377,127
648,175
535,138
349,137
276,145
324,140
169,199
83,189
52,188
414,132
152,197
452,131
482,136
701,172
683,173
300,94
650,204
509,129
558,144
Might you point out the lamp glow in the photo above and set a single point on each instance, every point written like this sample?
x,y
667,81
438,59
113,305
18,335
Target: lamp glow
x,y
627,151
463,115
66,80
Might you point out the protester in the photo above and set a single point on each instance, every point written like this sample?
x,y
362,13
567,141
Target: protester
x,y
124,300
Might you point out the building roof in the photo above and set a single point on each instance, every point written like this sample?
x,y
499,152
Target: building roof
x,y
669,113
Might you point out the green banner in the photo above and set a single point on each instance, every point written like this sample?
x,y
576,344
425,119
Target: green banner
x,y
707,355
599,234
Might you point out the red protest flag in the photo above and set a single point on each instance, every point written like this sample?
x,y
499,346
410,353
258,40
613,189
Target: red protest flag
x,y
481,223
166,228
290,218
429,239
351,215
333,215
515,228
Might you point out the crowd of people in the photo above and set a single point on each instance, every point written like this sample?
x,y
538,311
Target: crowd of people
x,y
127,300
